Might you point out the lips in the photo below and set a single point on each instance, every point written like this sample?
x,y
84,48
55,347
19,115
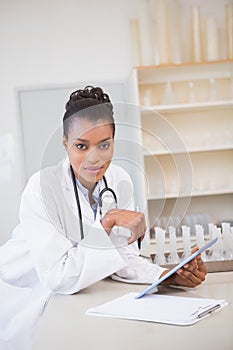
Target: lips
x,y
93,169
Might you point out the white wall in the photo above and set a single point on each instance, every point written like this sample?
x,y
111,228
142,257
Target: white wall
x,y
56,42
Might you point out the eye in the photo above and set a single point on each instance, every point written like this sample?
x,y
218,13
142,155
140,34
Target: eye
x,y
81,146
104,145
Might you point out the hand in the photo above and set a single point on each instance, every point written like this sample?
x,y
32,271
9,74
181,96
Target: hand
x,y
190,275
134,221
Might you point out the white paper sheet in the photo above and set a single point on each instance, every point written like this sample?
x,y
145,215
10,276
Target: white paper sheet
x,y
158,308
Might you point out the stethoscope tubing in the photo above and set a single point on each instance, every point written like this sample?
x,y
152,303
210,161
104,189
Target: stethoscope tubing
x,y
77,202
100,199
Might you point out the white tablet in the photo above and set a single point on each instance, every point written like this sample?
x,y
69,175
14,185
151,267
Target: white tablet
x,y
176,268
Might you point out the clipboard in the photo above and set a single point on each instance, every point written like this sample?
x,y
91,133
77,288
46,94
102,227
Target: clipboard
x,y
176,268
181,311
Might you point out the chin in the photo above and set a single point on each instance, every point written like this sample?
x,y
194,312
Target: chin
x,y
92,179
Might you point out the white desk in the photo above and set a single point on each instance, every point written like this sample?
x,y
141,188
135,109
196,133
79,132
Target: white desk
x,y
66,327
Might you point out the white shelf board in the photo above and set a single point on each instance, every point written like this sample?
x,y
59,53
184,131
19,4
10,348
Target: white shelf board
x,y
190,150
180,72
193,194
187,107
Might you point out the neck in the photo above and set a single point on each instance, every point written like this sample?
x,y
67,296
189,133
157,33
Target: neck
x,y
88,185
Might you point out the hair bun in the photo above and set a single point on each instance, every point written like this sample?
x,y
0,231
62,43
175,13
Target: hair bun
x,y
95,93
81,102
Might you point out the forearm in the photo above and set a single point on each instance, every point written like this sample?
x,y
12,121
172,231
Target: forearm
x,y
66,268
76,270
138,269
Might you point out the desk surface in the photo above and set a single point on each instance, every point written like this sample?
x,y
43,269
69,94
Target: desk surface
x,y
65,326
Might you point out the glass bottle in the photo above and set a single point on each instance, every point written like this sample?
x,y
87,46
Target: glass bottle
x,y
169,97
191,92
213,96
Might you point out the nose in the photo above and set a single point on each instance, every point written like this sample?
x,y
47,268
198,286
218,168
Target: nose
x,y
93,156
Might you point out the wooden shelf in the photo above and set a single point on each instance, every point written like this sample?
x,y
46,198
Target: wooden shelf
x,y
192,194
184,64
189,150
187,107
211,266
184,72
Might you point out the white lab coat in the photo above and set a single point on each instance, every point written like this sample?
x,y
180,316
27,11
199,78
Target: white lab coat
x,y
46,256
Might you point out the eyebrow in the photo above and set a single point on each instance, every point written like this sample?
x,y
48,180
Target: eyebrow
x,y
84,140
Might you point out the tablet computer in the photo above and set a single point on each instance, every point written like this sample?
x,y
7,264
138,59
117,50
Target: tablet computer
x,y
176,268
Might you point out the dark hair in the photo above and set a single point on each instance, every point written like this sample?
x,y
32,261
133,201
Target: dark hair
x,y
91,103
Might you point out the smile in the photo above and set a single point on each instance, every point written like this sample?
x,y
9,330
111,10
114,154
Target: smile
x,y
93,169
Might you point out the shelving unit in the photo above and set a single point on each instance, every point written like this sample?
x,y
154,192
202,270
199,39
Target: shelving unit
x,y
186,116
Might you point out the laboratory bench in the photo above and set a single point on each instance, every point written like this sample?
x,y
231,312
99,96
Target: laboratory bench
x,y
65,325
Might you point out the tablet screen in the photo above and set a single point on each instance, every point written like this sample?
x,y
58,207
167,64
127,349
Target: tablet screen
x,y
176,268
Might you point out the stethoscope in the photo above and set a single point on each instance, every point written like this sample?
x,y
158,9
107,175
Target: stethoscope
x,y
100,199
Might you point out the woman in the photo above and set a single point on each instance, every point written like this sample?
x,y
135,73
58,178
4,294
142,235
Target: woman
x,y
63,242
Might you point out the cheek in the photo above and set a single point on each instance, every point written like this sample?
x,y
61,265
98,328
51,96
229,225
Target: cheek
x,y
107,156
75,158
106,159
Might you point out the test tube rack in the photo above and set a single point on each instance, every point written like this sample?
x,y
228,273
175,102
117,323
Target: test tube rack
x,y
169,252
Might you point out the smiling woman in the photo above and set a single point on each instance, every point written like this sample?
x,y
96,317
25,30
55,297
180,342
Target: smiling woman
x,y
89,131
64,242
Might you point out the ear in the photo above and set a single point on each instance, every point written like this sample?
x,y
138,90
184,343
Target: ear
x,y
64,141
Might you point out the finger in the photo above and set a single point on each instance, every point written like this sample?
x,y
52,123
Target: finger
x,y
199,274
193,274
135,236
201,265
193,267
192,264
195,249
189,279
190,267
131,240
142,237
198,260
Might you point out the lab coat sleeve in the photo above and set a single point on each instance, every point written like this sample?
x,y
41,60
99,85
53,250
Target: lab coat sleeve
x,y
138,269
61,266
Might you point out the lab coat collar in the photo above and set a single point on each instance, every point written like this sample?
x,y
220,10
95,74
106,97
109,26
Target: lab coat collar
x,y
64,173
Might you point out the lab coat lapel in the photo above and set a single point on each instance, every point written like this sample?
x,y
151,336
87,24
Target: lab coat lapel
x,y
67,186
70,205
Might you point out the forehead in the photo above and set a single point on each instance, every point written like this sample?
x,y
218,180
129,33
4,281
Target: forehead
x,y
87,129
